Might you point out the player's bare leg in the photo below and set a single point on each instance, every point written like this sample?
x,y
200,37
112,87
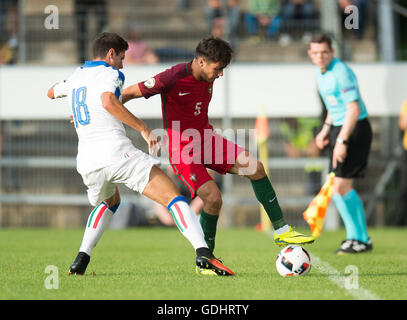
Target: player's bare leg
x,y
162,189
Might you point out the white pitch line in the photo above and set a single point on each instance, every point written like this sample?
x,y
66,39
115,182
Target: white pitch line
x,y
336,277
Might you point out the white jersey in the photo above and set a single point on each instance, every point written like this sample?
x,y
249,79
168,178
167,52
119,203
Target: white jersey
x,y
102,137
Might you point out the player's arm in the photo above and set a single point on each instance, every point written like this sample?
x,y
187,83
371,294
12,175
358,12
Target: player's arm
x,y
50,92
116,109
158,84
131,92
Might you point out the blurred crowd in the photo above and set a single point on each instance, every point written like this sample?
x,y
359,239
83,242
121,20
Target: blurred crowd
x,y
8,31
283,21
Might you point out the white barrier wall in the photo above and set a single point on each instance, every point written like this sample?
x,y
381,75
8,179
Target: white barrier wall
x,y
283,90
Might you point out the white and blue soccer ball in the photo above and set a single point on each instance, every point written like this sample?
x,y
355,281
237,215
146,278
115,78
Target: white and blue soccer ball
x,y
293,261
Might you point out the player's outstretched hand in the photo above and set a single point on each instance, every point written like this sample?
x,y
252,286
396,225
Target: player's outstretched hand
x,y
152,140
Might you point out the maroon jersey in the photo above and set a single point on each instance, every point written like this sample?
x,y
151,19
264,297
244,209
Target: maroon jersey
x,y
184,100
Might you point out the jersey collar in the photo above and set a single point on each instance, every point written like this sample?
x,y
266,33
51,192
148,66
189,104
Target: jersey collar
x,y
89,64
333,62
330,66
188,68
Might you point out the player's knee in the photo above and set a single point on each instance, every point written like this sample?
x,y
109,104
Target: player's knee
x,y
258,171
213,200
249,166
114,201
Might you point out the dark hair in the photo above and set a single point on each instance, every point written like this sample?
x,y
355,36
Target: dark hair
x,y
322,38
106,41
214,50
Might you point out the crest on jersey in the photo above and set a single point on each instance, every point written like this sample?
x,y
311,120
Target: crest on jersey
x,y
193,177
150,83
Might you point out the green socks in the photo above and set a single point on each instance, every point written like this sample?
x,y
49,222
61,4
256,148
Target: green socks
x,y
209,223
266,195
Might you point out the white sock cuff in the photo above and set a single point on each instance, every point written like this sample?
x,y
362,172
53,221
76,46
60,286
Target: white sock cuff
x,y
282,230
97,214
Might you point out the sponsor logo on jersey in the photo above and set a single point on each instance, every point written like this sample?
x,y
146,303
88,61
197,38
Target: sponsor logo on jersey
x,y
349,89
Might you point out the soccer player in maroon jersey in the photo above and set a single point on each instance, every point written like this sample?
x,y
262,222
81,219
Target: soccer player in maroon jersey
x,y
186,90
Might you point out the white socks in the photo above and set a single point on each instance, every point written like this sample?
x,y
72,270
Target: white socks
x,y
98,219
187,222
282,230
185,219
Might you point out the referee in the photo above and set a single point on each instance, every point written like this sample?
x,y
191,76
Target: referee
x,y
348,135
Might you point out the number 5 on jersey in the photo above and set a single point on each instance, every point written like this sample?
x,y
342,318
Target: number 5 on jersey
x,y
197,109
79,107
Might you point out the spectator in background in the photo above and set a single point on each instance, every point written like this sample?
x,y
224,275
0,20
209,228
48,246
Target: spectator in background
x,y
401,215
9,31
216,21
233,20
262,14
297,15
138,52
82,10
362,13
223,19
6,53
182,4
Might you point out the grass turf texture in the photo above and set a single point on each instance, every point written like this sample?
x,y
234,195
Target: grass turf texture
x,y
159,263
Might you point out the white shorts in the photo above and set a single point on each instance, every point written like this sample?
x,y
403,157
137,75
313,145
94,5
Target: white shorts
x,y
133,172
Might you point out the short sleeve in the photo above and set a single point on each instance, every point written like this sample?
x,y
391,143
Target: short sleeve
x,y
113,83
348,85
161,82
61,89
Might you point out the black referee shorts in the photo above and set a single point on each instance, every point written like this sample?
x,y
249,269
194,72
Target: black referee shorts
x,y
359,144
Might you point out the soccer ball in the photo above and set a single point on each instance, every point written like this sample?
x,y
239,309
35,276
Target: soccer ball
x,y
293,261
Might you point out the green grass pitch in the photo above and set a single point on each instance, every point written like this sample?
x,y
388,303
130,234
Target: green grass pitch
x,y
159,263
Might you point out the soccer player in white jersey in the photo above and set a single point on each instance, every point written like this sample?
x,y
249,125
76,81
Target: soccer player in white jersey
x,y
106,156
